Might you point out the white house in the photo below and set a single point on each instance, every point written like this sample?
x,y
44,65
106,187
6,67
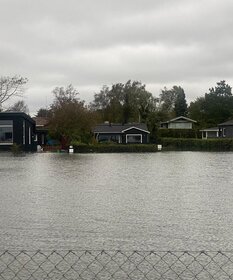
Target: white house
x,y
178,123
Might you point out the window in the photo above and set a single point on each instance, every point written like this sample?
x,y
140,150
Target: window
x,y
6,132
109,138
134,138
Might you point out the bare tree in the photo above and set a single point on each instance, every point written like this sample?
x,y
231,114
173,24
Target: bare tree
x,y
11,86
19,106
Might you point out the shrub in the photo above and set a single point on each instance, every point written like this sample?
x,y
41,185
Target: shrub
x,y
115,148
197,144
16,149
178,133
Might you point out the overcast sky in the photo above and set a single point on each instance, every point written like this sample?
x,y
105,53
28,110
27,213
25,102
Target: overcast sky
x,y
91,43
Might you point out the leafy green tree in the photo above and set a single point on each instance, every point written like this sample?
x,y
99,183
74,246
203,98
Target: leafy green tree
x,y
107,104
173,102
139,102
44,112
180,106
218,105
215,107
221,90
129,102
70,120
167,101
196,111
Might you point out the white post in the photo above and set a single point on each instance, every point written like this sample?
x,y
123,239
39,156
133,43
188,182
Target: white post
x,y
71,150
159,147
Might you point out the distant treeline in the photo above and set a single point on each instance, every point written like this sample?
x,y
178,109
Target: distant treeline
x,y
71,119
128,102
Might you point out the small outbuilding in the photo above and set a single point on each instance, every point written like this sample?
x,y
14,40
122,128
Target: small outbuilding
x,y
17,128
207,133
135,133
178,123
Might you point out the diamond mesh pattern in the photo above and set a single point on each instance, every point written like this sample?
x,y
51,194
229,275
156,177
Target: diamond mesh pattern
x,y
86,265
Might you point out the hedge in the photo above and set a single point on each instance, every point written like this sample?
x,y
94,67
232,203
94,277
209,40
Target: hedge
x,y
178,133
181,144
116,148
168,144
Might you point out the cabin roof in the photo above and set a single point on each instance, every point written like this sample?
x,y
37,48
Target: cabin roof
x,y
119,128
180,118
41,121
12,115
230,122
210,129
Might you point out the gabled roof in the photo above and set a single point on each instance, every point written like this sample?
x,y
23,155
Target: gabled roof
x,y
180,118
230,122
119,128
134,127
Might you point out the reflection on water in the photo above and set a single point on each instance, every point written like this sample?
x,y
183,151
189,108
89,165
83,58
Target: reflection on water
x,y
161,201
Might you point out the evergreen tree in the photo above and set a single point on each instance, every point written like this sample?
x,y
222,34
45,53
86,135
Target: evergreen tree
x,y
215,107
180,107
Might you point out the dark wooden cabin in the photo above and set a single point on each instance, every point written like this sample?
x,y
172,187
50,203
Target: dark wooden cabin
x,y
226,129
17,128
122,133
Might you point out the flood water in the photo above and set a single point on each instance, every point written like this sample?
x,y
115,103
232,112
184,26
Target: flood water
x,y
159,201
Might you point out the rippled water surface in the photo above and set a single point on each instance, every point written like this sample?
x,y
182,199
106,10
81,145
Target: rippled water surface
x,y
159,201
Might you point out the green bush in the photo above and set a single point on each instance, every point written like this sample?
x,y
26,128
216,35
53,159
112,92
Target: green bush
x,y
197,144
178,133
168,144
16,149
115,148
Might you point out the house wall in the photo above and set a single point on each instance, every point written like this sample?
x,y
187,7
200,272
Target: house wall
x,y
145,136
227,131
18,133
180,125
41,137
109,137
212,134
121,138
209,134
164,125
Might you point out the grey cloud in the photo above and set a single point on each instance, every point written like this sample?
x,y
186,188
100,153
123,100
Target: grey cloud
x,y
90,43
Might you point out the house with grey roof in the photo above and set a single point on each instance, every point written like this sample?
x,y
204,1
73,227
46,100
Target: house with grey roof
x,y
212,132
131,133
226,129
178,123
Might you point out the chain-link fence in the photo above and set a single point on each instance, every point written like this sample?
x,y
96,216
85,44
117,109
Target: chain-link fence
x,y
120,265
